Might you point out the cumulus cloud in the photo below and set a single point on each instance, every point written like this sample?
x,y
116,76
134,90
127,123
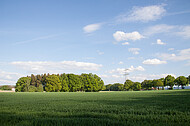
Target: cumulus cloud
x,y
143,14
134,50
55,67
122,36
91,27
153,62
159,42
180,56
125,43
123,70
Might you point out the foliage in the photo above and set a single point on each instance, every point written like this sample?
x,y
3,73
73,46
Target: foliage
x,y
32,88
181,81
22,84
53,84
157,83
147,108
5,87
147,84
128,85
169,81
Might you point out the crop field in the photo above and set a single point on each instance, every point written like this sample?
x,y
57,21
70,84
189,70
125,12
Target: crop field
x,y
167,107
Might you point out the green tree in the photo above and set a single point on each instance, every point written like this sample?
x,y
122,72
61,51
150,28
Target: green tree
x,y
147,84
157,83
169,81
22,84
128,85
117,87
137,86
53,84
181,81
32,88
108,87
64,82
40,88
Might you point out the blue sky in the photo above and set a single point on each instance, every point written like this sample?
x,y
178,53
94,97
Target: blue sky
x,y
150,38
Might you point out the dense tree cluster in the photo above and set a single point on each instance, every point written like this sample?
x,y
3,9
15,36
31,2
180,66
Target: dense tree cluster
x,y
60,83
168,81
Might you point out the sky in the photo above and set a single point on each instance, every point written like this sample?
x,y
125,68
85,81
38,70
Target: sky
x,y
147,39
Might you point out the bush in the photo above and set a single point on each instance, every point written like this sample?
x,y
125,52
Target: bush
x,y
32,89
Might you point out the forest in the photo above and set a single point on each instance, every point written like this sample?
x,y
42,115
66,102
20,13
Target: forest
x,y
60,83
155,84
91,83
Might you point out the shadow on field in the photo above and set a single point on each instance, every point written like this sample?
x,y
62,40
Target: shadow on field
x,y
159,107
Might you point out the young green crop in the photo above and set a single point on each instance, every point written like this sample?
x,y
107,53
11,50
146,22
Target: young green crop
x,y
100,108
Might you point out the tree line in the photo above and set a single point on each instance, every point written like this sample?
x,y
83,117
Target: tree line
x,y
168,81
60,83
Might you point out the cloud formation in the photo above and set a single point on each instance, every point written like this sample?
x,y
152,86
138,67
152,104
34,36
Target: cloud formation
x,y
153,62
159,42
156,29
55,67
180,56
9,77
123,70
122,36
134,50
91,27
125,43
184,32
142,77
143,14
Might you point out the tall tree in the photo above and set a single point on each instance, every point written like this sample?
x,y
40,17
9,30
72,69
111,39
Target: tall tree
x,y
169,81
157,83
137,86
128,85
147,84
22,84
53,84
181,81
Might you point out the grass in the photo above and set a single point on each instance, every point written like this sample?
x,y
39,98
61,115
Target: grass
x,y
103,108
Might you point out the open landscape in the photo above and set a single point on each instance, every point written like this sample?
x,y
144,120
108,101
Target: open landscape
x,y
165,107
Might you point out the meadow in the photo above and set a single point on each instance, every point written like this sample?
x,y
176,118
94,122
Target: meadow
x,y
167,107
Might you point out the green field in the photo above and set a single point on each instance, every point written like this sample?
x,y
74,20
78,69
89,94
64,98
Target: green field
x,y
100,108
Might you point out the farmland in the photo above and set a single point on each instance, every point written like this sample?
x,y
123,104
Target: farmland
x,y
167,107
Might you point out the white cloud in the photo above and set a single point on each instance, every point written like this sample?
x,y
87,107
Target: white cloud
x,y
170,49
180,56
134,50
156,29
104,76
142,77
115,76
130,69
9,77
143,14
120,62
91,27
184,32
125,43
122,36
153,62
159,42
99,52
55,67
